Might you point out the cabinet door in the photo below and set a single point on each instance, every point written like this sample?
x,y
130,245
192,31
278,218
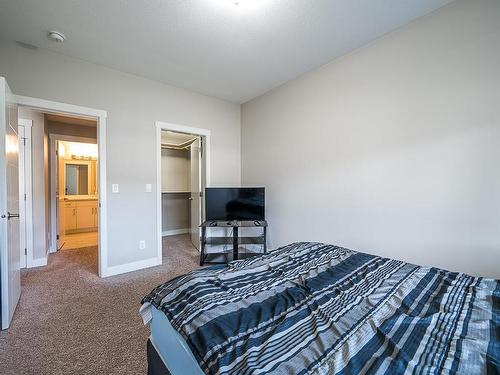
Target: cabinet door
x,y
69,218
85,217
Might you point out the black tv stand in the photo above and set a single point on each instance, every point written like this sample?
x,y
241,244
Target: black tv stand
x,y
234,240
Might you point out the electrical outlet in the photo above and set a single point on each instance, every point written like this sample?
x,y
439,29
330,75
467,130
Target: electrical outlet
x,y
149,188
115,188
142,244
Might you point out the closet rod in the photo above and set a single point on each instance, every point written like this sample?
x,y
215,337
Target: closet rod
x,y
172,147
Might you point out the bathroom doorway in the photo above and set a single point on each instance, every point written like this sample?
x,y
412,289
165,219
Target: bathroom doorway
x,y
76,193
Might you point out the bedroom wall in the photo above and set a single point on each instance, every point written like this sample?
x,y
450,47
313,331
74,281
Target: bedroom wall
x,y
133,105
393,149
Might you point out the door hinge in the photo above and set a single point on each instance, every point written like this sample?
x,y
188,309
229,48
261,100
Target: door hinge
x,y
57,237
24,196
25,251
201,147
57,152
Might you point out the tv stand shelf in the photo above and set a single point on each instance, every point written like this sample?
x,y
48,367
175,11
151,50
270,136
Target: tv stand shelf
x,y
257,240
233,239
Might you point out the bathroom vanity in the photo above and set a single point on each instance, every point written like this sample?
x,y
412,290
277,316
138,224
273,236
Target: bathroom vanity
x,y
78,213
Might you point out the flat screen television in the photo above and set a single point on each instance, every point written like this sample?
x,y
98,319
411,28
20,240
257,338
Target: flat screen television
x,y
241,204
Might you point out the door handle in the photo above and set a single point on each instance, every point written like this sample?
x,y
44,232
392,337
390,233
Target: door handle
x,y
10,216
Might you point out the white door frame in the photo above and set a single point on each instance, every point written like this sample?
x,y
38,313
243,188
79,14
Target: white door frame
x,y
25,187
100,115
53,138
205,134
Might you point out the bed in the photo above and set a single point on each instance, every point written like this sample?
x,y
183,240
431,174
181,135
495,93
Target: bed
x,y
312,308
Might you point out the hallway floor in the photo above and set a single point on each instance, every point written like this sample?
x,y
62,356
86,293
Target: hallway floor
x,y
79,240
69,321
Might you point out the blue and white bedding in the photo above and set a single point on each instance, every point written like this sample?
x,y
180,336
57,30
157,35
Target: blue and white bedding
x,y
311,308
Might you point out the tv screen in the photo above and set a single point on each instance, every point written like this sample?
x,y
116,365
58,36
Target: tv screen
x,y
234,204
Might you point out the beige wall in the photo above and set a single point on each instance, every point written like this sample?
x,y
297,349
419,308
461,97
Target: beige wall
x,y
133,105
175,170
393,149
176,212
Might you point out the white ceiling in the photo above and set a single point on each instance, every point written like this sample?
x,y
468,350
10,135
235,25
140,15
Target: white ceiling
x,y
234,52
175,138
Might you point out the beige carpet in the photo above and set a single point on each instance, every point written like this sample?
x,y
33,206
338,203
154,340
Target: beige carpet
x,y
69,321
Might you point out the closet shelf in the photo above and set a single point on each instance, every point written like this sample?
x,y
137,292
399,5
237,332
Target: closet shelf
x,y
176,192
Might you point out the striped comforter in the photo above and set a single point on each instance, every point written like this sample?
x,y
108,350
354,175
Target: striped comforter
x,y
311,308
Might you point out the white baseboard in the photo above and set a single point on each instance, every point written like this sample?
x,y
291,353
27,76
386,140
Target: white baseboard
x,y
174,232
134,266
40,262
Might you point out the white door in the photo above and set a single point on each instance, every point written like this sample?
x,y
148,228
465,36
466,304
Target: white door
x,y
195,192
9,205
25,202
22,195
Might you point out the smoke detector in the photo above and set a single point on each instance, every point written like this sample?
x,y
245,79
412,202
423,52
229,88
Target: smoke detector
x,y
56,36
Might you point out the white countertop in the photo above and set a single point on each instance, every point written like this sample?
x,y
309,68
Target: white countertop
x,y
79,198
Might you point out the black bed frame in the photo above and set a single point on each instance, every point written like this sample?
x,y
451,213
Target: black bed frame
x,y
155,364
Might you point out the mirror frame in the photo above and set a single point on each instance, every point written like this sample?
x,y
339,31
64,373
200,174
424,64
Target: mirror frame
x,y
79,169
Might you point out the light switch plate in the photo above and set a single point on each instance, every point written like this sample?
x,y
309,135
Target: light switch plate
x,y
142,244
148,188
115,188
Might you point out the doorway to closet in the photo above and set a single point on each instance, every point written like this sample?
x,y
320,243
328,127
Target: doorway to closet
x,y
182,185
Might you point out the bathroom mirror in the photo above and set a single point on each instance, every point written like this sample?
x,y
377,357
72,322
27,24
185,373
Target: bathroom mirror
x,y
77,179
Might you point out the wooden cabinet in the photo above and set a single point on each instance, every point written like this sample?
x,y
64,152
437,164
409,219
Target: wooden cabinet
x,y
78,216
85,217
70,217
